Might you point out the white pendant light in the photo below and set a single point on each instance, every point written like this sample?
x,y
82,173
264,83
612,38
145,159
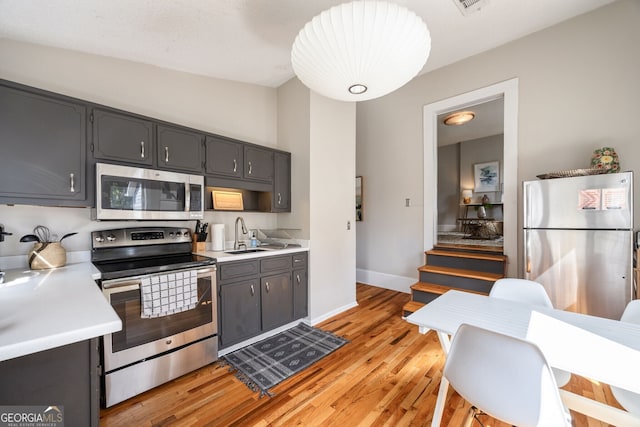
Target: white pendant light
x,y
360,50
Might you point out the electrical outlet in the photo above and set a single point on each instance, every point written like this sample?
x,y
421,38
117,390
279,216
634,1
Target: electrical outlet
x,y
407,202
348,225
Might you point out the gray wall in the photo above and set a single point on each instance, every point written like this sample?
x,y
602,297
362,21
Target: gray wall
x,y
455,173
448,187
578,90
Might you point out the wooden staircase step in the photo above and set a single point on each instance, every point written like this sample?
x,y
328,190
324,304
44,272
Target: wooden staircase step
x,y
469,255
433,288
412,307
471,274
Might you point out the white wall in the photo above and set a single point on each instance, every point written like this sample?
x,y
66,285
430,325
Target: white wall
x,y
293,136
578,90
332,190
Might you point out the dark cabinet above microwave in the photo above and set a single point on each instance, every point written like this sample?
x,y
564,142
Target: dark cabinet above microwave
x,y
180,149
122,138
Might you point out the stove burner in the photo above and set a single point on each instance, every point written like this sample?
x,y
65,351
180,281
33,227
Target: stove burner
x,y
129,252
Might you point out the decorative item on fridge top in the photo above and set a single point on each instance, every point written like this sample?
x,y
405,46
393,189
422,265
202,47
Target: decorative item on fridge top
x,y
606,158
47,252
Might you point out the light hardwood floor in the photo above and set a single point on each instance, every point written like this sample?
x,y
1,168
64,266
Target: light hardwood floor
x,y
388,375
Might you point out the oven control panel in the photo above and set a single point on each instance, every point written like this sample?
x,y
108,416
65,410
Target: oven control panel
x,y
139,236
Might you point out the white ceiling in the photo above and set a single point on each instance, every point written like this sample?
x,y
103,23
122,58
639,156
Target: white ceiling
x,y
250,40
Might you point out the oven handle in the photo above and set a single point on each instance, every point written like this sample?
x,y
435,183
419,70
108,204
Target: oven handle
x,y
134,281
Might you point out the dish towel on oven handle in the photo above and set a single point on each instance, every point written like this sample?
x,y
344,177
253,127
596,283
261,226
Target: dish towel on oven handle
x,y
164,294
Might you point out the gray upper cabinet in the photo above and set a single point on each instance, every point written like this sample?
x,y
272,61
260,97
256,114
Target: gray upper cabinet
x,y
180,149
258,163
281,183
224,157
44,148
122,138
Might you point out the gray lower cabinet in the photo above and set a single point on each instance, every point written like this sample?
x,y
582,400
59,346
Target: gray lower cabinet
x,y
239,311
277,300
300,293
260,294
65,376
122,138
180,149
224,157
44,148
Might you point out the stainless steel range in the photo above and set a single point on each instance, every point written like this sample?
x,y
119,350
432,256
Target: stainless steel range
x,y
166,299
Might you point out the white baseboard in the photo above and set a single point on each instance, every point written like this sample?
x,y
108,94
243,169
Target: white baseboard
x,y
332,313
384,280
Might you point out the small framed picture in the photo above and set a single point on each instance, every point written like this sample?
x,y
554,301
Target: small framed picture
x,y
358,198
486,176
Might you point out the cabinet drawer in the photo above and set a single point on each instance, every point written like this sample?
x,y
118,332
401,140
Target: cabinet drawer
x,y
299,260
233,270
275,263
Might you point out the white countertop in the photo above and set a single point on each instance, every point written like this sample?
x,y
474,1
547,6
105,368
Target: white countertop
x,y
221,256
44,309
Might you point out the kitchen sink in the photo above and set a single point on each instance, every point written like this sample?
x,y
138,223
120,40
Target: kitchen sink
x,y
245,251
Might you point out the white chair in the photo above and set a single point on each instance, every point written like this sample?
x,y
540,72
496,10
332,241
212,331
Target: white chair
x,y
505,377
628,399
529,292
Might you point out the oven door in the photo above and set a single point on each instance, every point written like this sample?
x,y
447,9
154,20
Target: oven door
x,y
124,192
142,338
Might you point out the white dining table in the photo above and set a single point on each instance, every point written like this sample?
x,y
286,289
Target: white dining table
x,y
601,349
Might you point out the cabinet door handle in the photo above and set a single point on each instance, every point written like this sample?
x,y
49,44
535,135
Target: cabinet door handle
x,y
298,278
279,199
235,165
72,188
250,168
142,149
253,291
166,154
266,285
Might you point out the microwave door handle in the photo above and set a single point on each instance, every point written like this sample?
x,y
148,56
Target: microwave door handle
x,y
187,197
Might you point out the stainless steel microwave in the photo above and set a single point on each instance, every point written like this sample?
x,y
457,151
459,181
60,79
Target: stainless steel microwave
x,y
131,193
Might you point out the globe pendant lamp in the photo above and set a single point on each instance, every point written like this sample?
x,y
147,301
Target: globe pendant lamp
x,y
360,50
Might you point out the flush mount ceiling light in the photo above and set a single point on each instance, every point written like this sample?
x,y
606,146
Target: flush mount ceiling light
x,y
360,50
459,118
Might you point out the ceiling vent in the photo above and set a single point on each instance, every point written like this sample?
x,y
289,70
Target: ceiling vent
x,y
467,7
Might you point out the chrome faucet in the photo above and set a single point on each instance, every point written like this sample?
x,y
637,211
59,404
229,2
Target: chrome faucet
x,y
236,243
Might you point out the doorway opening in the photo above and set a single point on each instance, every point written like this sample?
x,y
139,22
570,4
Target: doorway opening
x,y
508,92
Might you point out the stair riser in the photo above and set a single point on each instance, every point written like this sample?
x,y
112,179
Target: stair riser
x,y
468,251
425,297
456,281
483,265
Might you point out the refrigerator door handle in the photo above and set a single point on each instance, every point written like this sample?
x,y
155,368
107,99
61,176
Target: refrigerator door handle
x,y
527,252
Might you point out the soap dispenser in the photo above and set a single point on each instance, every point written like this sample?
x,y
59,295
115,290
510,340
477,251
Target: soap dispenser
x,y
253,241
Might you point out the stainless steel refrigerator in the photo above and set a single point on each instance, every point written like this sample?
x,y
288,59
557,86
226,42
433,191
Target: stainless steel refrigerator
x,y
578,241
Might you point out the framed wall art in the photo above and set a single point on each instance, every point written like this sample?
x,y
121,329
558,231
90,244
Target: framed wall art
x,y
358,198
486,176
